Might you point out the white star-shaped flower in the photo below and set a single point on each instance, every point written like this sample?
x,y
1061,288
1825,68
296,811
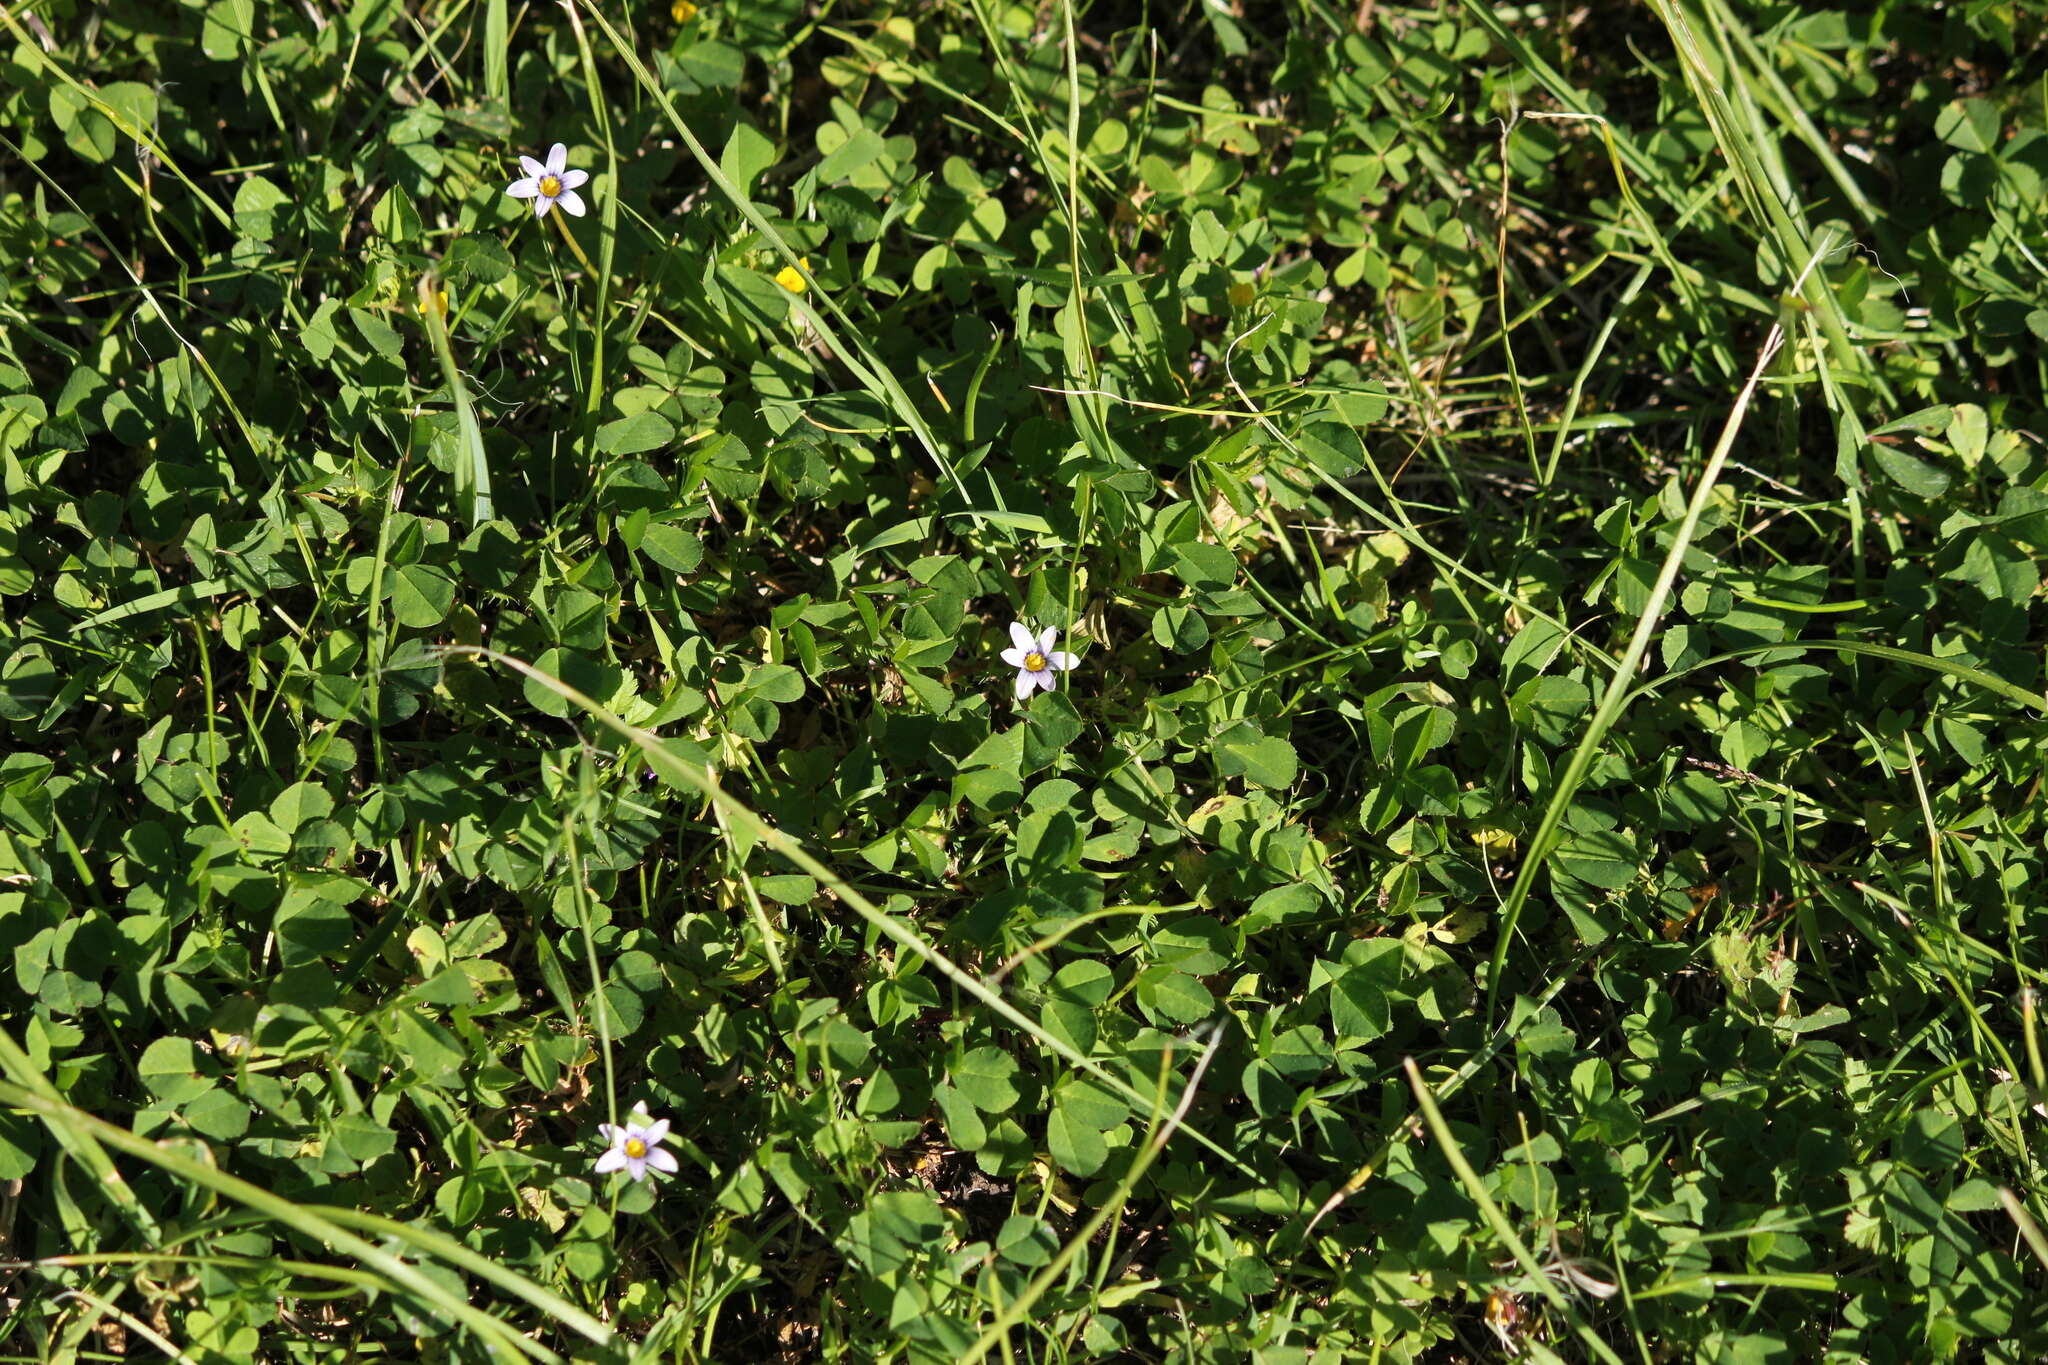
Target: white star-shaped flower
x,y
548,183
1034,658
636,1145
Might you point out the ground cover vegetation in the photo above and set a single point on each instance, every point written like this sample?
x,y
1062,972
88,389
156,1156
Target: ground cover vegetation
x,y
1179,682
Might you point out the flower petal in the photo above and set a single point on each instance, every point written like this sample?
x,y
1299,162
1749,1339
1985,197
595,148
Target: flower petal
x,y
523,189
1044,678
609,1133
1021,637
611,1161
1015,657
541,205
662,1159
641,1109
636,1166
571,202
1025,682
1048,640
571,179
1061,659
558,159
536,169
655,1131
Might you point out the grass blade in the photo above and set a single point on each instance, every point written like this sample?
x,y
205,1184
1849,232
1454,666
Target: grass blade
x,y
658,755
1616,694
472,465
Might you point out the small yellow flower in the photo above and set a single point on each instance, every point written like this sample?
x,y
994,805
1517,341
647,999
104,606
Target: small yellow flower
x,y
682,11
1494,840
792,279
431,298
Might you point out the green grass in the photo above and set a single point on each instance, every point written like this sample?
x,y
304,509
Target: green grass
x,y
1538,856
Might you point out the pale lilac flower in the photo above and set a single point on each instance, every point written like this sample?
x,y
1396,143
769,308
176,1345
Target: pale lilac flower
x,y
636,1145
548,183
1034,658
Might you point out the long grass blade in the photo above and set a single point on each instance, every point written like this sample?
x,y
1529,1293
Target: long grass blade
x,y
472,465
661,757
1614,698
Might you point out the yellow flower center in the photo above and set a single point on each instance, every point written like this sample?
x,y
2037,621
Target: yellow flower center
x,y
635,1148
682,11
1035,662
551,186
